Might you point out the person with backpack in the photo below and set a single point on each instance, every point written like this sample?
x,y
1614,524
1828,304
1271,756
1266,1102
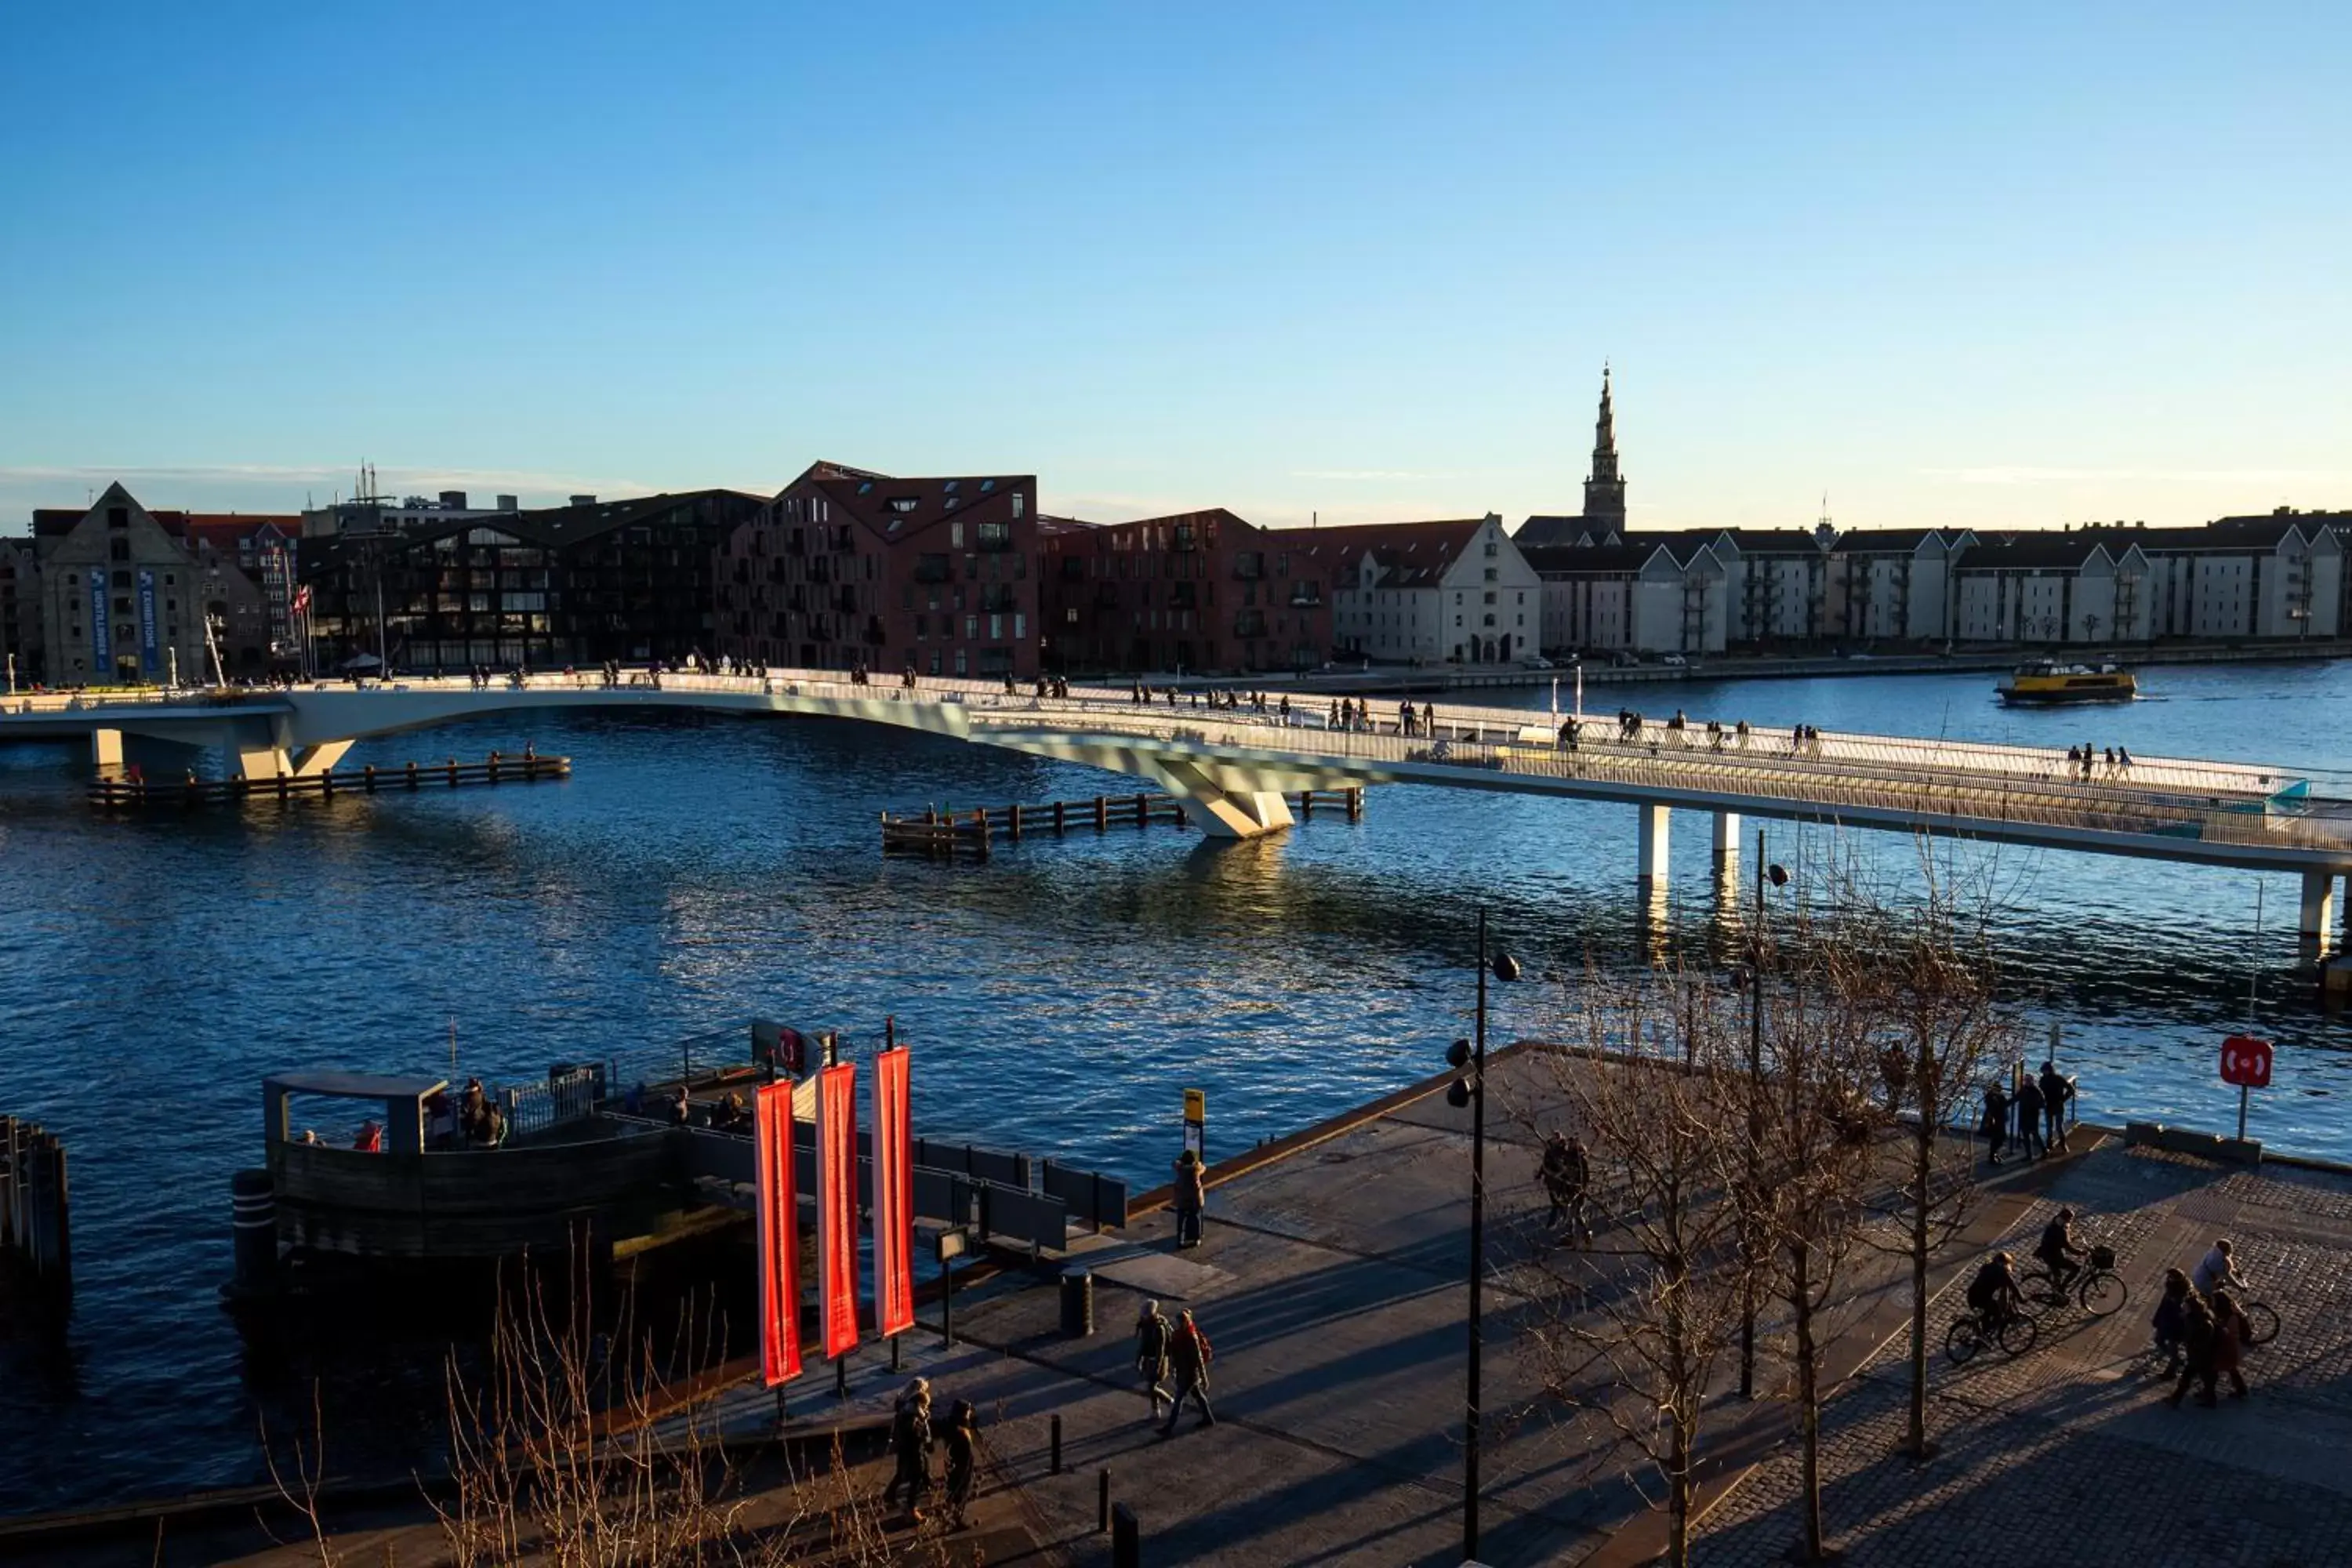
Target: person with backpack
x,y
1189,1355
1153,1335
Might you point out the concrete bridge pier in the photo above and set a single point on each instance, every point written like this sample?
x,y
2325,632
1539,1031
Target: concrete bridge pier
x,y
105,751
1220,803
2318,909
1651,854
264,749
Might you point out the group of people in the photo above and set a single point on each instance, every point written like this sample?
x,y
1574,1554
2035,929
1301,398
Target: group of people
x,y
2201,1327
1172,1360
2081,760
912,1438
478,1122
2038,1108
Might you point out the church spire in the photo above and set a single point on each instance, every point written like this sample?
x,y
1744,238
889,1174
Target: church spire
x,y
1604,488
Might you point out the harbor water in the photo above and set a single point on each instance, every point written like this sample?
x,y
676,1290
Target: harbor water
x,y
1059,999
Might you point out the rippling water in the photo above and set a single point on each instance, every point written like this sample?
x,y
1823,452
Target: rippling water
x,y
1059,998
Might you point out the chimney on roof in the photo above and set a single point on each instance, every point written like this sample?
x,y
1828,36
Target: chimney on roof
x,y
584,500
454,501
509,503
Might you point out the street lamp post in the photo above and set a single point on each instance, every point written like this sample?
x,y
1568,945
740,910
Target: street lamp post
x,y
1779,877
1472,1092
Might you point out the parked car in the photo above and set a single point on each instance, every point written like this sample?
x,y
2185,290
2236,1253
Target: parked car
x,y
1675,661
1623,659
1538,662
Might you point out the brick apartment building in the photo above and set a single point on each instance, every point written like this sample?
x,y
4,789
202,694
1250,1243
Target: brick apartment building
x,y
1202,591
845,567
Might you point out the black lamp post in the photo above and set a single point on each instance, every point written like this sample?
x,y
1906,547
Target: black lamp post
x,y
1779,877
1472,1091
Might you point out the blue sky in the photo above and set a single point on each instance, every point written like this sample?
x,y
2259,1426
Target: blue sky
x,y
1992,266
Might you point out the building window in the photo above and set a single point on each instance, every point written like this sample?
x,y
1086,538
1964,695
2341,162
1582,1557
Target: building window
x,y
1016,503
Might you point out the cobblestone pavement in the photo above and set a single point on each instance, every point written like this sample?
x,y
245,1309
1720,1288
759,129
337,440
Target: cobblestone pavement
x,y
2068,1453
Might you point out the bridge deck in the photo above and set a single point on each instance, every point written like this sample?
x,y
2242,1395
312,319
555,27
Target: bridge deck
x,y
2177,809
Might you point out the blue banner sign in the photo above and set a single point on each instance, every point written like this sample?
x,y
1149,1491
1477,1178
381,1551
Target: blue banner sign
x,y
101,646
151,652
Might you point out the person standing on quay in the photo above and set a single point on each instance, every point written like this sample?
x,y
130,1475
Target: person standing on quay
x,y
1189,1355
2028,1119
911,1444
2055,1092
1191,1195
1996,1122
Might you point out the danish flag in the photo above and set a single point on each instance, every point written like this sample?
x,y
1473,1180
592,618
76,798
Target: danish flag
x,y
302,598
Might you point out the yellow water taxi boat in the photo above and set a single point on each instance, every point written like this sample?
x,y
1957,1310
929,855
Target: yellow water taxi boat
x,y
2045,683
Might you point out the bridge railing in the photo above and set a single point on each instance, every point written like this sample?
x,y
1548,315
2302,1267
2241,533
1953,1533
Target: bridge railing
x,y
1787,780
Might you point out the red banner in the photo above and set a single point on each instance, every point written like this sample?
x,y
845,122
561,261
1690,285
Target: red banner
x,y
836,1205
780,1236
893,1198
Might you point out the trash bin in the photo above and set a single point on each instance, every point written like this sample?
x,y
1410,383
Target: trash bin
x,y
1077,1303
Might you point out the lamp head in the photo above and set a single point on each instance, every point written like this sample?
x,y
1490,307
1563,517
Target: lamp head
x,y
1457,1055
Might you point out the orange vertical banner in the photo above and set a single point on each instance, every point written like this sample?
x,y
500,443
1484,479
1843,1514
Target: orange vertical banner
x,y
779,1236
894,1196
836,1205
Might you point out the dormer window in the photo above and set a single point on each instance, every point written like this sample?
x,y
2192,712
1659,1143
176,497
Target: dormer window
x,y
903,504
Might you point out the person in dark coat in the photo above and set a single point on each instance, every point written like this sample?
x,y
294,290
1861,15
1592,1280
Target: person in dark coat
x,y
1996,1122
2055,1091
1152,1335
2197,1338
1192,1196
2029,1121
2171,1321
1188,1358
962,1441
910,1445
1566,1176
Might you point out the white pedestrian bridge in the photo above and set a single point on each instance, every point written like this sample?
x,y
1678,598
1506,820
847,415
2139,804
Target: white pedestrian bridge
x,y
1230,767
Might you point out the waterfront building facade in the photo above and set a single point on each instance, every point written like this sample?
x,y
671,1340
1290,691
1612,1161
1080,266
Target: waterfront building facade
x,y
1892,585
2273,577
1200,591
20,613
631,580
1646,595
1455,591
2065,587
847,568
127,594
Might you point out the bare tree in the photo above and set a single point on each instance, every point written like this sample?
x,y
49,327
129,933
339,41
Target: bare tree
x,y
1818,1121
1633,1329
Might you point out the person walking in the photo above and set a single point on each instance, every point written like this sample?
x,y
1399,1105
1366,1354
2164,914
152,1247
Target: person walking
x,y
2055,1092
1189,1355
2197,1341
2171,1321
2028,1119
2229,1330
1995,1125
910,1445
1153,1335
1566,1175
962,1442
1191,1195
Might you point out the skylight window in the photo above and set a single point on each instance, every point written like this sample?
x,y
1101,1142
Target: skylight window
x,y
986,485
951,486
864,486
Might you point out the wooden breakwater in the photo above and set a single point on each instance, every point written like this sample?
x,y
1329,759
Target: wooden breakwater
x,y
35,1229
976,831
129,790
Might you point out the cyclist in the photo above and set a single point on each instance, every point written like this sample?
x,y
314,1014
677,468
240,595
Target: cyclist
x,y
2057,1251
1993,1294
2219,1269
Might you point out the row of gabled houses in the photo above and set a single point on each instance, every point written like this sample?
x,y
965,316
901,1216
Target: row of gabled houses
x,y
2240,579
847,568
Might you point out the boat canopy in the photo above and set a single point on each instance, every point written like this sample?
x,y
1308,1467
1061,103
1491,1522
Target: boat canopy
x,y
401,1098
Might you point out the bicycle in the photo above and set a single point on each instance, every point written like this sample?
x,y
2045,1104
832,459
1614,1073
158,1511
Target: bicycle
x,y
1966,1336
2261,1318
2098,1289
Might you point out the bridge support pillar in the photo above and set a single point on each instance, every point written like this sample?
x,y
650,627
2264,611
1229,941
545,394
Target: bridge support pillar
x,y
1651,853
106,751
1727,844
2318,909
1220,804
